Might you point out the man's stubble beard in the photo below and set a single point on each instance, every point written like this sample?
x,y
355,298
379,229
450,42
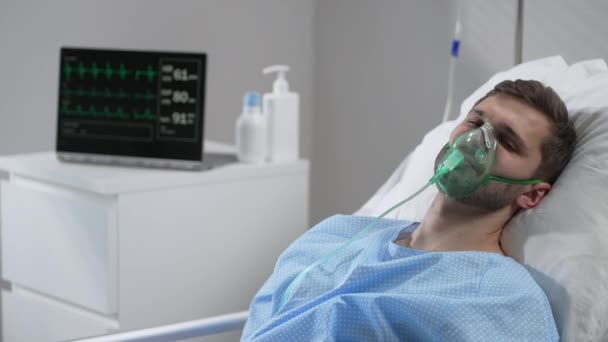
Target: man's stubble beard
x,y
491,197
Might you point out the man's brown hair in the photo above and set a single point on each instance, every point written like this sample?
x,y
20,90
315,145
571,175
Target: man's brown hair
x,y
557,149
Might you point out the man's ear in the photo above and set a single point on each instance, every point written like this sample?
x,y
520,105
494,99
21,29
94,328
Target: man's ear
x,y
532,197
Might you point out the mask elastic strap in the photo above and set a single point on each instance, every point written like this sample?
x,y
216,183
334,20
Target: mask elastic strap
x,y
512,181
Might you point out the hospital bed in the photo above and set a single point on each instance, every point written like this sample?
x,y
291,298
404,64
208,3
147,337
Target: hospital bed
x,y
566,251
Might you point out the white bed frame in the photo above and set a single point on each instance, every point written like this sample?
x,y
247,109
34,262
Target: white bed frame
x,y
178,331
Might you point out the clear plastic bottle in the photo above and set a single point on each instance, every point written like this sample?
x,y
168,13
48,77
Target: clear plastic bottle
x,y
251,131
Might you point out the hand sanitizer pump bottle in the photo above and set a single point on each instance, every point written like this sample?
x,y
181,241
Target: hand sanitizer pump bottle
x,y
251,131
281,108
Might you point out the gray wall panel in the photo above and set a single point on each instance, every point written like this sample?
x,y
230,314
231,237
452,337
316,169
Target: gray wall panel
x,y
575,29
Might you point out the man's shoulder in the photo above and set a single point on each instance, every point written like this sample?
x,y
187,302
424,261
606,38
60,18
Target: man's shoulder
x,y
510,282
508,277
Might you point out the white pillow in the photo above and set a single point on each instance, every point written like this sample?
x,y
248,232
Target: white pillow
x,y
564,241
541,70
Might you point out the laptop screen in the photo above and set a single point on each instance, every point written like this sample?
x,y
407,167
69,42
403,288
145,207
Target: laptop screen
x,y
131,103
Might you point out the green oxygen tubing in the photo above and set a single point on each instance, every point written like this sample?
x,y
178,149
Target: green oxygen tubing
x,y
449,164
465,166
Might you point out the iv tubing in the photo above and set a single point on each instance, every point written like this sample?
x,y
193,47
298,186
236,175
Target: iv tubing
x,y
454,55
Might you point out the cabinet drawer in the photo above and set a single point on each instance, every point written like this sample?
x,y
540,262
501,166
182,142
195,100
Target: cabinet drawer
x,y
60,242
28,317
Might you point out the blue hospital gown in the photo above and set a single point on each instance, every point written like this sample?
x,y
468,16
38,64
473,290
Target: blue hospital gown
x,y
377,290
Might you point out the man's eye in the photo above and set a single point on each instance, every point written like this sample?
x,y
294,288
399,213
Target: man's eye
x,y
508,146
474,123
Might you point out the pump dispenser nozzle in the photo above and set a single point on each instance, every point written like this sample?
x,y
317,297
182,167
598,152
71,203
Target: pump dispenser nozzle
x,y
280,85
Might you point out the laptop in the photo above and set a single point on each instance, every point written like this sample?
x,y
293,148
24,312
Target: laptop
x,y
133,108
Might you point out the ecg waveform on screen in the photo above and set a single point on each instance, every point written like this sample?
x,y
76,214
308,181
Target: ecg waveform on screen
x,y
109,94
106,112
108,71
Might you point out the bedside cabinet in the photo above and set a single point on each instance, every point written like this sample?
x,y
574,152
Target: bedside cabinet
x,y
88,250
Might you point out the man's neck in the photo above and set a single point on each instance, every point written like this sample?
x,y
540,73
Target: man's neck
x,y
453,226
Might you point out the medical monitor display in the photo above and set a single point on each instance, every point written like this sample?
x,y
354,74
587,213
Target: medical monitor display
x,y
131,103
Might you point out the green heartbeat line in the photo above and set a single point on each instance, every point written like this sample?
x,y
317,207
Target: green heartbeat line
x,y
149,73
119,113
106,93
108,71
147,115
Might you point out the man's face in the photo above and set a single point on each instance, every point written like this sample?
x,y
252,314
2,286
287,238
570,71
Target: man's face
x,y
520,130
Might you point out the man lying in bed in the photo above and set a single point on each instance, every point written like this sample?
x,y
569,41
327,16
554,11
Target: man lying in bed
x,y
445,278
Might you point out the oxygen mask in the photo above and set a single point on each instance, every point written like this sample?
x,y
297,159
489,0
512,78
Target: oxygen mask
x,y
467,164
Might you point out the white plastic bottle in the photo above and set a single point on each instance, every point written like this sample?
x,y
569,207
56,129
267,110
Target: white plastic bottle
x,y
251,131
281,108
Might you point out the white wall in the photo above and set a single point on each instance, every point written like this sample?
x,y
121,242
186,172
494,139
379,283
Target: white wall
x,y
488,42
240,37
380,68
